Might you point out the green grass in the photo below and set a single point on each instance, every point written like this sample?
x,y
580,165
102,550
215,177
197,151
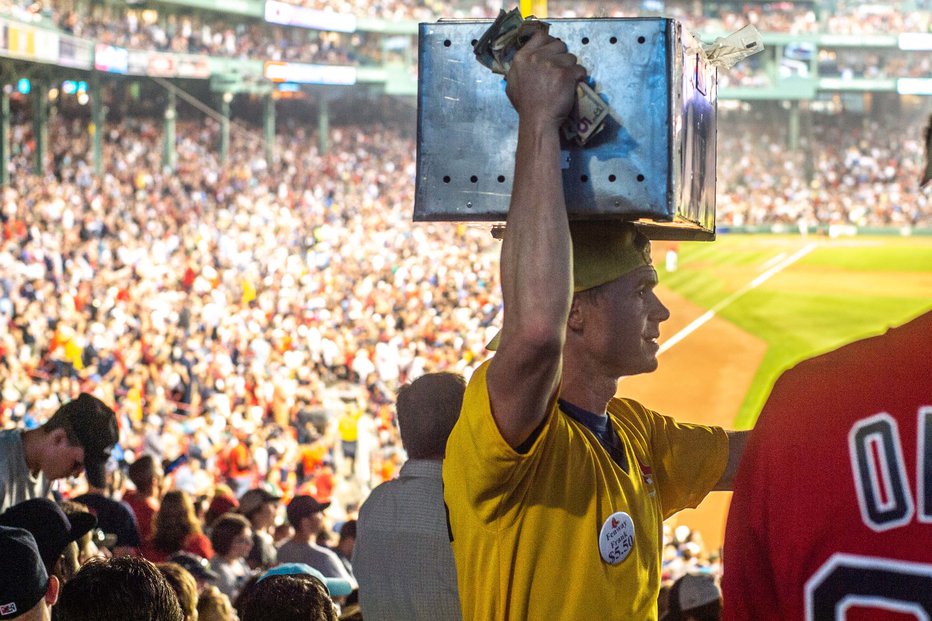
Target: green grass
x,y
841,291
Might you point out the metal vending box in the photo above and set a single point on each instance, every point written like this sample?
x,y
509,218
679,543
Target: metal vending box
x,y
656,166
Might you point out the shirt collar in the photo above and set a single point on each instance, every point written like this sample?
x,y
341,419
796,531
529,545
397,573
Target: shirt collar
x,y
428,468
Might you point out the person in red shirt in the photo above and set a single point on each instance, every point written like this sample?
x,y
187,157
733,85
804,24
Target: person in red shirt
x,y
240,468
832,511
146,474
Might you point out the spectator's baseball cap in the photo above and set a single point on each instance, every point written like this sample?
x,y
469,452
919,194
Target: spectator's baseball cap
x,y
602,251
304,506
253,499
23,579
197,566
95,426
337,587
49,525
691,591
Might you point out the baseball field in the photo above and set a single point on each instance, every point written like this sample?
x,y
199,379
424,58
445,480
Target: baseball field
x,y
746,307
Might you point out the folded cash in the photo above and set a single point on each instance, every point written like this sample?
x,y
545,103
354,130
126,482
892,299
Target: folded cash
x,y
496,49
587,117
726,52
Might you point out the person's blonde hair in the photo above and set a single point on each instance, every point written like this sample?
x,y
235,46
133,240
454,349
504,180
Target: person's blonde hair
x,y
184,585
212,605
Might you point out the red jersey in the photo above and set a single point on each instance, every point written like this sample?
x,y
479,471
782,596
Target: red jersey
x,y
832,513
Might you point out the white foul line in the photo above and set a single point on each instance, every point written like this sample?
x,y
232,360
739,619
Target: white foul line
x,y
758,281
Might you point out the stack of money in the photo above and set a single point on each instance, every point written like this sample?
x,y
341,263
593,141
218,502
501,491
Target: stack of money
x,y
496,49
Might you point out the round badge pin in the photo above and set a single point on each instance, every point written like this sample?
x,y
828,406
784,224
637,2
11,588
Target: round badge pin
x,y
616,539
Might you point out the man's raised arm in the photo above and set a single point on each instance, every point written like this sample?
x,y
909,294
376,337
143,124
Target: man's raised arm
x,y
536,257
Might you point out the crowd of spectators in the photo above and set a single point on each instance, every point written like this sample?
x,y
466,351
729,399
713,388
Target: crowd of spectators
x,y
228,35
252,321
849,169
256,296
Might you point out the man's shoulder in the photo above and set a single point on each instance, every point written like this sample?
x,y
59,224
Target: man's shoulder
x,y
324,551
97,501
383,491
291,544
624,408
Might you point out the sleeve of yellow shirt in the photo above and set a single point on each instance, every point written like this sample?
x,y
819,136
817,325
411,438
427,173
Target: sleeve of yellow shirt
x,y
688,460
481,469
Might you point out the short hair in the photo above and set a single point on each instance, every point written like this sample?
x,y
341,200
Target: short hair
x,y
289,598
348,530
427,410
183,584
212,605
118,588
143,471
86,405
225,530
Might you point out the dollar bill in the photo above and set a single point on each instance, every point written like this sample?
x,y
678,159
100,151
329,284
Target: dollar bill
x,y
727,51
503,24
587,117
509,42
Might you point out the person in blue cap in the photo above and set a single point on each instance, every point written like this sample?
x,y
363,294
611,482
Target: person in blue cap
x,y
295,592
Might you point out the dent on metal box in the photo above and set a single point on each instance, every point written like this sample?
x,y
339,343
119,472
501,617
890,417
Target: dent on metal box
x,y
656,166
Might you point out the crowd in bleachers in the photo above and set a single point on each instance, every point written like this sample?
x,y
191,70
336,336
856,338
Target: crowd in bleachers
x,y
256,285
849,169
270,294
179,31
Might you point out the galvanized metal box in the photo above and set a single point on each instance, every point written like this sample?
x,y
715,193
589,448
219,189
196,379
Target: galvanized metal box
x,y
657,165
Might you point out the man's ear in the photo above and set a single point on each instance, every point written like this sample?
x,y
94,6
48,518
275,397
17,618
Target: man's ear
x,y
575,320
59,438
52,591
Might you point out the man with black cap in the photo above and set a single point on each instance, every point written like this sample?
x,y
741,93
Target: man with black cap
x,y
556,489
306,516
52,529
77,438
27,592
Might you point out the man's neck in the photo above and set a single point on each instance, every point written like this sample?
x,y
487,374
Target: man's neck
x,y
32,448
592,397
303,537
585,387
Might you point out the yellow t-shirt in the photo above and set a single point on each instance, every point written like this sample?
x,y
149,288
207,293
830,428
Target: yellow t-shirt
x,y
527,527
348,424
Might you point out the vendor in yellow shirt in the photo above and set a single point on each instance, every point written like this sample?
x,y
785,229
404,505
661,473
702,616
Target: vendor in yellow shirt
x,y
557,490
